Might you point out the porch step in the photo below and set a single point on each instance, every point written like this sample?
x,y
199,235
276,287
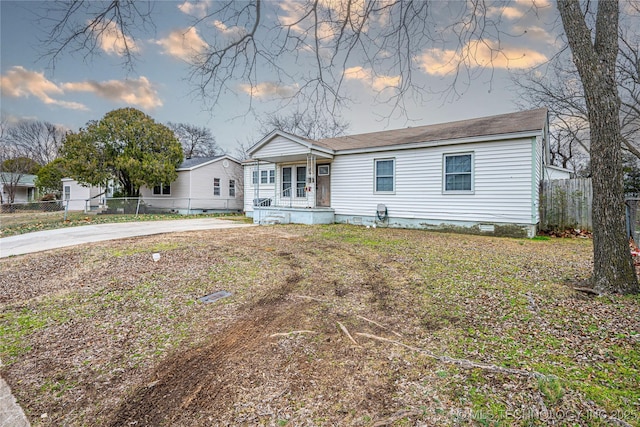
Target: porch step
x,y
276,219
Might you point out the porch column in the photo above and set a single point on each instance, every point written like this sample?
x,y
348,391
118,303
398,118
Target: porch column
x,y
311,179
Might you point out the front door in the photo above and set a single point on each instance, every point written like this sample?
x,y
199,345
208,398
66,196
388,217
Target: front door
x,y
323,186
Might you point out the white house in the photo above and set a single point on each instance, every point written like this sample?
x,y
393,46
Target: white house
x,y
23,186
480,175
208,184
79,197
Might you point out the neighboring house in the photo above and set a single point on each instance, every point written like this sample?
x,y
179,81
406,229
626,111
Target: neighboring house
x,y
24,187
80,197
482,175
208,184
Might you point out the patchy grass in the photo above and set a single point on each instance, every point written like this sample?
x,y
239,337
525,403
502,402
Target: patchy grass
x,y
444,329
20,223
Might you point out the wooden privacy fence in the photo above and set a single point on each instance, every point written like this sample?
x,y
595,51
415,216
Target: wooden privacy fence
x,y
566,203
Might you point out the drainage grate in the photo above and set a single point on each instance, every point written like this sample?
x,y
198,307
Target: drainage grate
x,y
214,296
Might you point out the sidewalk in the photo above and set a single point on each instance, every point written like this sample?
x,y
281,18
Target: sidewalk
x,y
11,414
71,236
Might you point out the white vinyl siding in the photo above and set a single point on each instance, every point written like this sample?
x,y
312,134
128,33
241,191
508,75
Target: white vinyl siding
x,y
197,184
502,184
266,190
280,146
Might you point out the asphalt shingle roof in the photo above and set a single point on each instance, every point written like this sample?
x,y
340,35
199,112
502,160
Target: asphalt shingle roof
x,y
522,121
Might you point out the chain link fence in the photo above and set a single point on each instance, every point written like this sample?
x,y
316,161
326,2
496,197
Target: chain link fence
x,y
33,207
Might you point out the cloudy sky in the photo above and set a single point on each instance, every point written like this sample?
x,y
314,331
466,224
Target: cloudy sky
x,y
81,88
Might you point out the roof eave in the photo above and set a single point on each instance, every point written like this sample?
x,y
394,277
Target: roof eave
x,y
438,143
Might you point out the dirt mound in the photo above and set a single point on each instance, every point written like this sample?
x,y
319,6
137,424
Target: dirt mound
x,y
263,368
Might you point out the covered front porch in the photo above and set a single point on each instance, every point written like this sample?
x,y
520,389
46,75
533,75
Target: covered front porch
x,y
291,182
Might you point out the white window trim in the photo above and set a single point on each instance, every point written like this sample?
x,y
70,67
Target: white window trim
x,y
255,177
219,187
161,193
375,175
473,173
232,187
328,170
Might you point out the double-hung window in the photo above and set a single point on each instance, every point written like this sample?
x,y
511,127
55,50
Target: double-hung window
x,y
458,173
272,176
385,175
254,177
232,188
216,186
264,177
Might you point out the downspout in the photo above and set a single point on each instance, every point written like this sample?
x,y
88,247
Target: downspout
x,y
534,180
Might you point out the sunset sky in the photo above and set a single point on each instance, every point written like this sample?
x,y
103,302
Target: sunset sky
x,y
82,88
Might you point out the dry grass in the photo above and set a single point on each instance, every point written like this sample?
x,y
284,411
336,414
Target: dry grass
x,y
327,325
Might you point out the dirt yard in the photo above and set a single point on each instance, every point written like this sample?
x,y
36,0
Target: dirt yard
x,y
328,325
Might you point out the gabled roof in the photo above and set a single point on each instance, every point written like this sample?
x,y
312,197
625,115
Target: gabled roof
x,y
197,162
512,123
306,142
25,180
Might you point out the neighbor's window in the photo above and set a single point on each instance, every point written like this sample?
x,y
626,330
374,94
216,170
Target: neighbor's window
x,y
161,190
286,182
216,186
254,180
384,179
232,188
67,192
458,172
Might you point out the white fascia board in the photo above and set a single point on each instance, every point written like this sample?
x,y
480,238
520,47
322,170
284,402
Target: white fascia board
x,y
217,159
413,145
290,137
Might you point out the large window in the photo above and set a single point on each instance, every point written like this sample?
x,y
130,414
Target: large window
x,y
286,182
301,180
232,188
294,179
216,186
162,190
458,172
385,174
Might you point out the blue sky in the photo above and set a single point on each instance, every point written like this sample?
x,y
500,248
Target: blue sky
x,y
80,89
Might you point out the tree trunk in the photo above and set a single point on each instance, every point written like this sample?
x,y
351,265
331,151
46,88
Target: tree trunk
x,y
613,269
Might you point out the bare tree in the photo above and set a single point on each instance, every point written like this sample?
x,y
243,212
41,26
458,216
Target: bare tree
x,y
197,141
384,38
305,125
595,60
39,140
558,87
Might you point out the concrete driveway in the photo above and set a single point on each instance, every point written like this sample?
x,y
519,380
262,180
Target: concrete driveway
x,y
71,236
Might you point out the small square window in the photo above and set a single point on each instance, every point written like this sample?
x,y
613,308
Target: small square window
x,y
323,170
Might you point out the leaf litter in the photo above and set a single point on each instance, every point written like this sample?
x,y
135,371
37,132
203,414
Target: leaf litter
x,y
335,325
